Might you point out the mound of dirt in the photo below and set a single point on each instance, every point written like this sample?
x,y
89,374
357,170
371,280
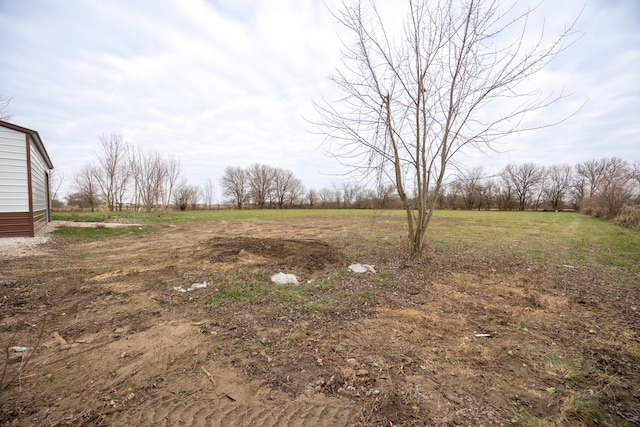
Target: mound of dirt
x,y
301,255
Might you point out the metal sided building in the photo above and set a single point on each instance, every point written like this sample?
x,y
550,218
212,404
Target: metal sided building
x,y
24,182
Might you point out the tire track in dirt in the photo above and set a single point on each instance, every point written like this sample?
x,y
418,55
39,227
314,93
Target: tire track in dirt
x,y
215,409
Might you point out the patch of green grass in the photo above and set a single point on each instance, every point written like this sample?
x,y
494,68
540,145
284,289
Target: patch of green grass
x,y
255,292
563,367
210,215
79,234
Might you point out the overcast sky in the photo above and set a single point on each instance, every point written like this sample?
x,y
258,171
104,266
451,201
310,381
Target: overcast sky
x,y
230,82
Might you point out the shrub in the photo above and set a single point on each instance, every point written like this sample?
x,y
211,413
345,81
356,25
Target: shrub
x,y
629,216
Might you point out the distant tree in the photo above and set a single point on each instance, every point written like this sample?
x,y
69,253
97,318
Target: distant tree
x,y
208,193
5,113
616,186
82,200
149,173
588,177
56,179
261,184
505,196
186,195
235,185
386,196
488,194
311,197
173,176
326,197
112,169
556,184
470,182
525,180
286,188
87,189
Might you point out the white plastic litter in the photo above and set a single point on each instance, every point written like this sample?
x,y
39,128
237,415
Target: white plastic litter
x,y
283,279
362,268
199,285
193,287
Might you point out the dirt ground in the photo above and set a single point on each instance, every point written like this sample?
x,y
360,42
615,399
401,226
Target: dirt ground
x,y
116,337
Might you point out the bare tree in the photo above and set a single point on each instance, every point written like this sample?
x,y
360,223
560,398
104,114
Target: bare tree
x,y
208,192
286,187
186,195
470,185
525,180
616,186
112,169
556,184
311,197
261,180
386,196
56,179
149,173
326,197
589,175
456,79
87,188
173,169
5,113
235,185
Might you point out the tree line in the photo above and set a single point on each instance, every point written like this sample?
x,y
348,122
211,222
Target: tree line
x,y
601,187
122,176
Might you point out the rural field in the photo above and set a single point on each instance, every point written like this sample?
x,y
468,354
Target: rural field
x,y
511,318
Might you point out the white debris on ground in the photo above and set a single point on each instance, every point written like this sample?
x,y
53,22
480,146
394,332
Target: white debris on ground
x,y
283,279
193,287
362,268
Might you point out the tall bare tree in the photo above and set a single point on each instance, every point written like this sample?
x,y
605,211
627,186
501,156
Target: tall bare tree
x,y
311,197
616,186
286,187
56,179
87,188
525,180
209,193
455,79
470,186
149,172
112,169
235,185
557,183
173,175
260,183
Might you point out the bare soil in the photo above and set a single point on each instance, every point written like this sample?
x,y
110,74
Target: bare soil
x,y
111,341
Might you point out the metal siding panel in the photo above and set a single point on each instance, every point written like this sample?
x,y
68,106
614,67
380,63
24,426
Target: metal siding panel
x,y
38,180
15,224
13,172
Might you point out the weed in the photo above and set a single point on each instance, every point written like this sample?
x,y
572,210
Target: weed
x,y
563,367
586,409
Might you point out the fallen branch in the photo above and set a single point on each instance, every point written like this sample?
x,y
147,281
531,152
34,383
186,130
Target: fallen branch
x,y
209,375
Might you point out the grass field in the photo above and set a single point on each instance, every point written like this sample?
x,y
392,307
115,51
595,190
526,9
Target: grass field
x,y
571,237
